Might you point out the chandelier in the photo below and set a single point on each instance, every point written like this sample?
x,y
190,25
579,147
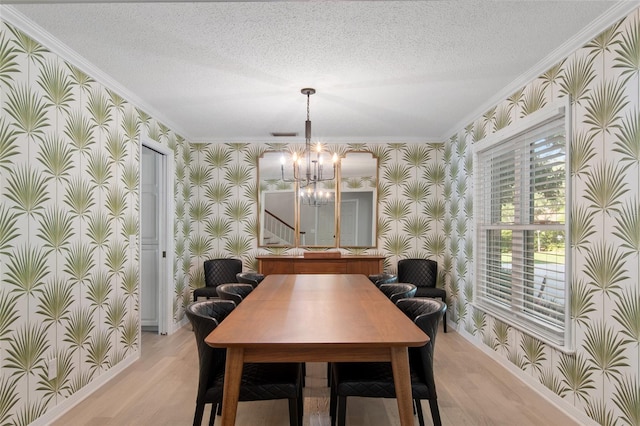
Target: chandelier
x,y
308,168
313,197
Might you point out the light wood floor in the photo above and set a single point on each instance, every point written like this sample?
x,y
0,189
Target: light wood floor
x,y
160,389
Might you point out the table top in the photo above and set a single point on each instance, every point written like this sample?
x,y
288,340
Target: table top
x,y
313,310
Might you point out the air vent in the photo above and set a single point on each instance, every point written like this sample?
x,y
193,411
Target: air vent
x,y
284,134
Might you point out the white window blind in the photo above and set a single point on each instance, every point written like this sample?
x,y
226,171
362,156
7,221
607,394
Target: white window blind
x,y
521,223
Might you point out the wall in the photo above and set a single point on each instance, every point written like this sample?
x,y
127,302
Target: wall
x,y
602,379
410,207
69,228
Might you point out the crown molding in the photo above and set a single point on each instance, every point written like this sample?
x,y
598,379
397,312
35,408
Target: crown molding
x,y
617,12
15,18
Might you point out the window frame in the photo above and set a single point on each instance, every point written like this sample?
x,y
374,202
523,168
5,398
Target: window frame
x,y
516,309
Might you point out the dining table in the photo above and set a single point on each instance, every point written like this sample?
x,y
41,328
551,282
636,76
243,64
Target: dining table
x,y
316,318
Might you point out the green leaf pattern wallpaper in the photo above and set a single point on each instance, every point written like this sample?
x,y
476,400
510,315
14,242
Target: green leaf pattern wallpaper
x,y
224,210
69,224
69,227
601,380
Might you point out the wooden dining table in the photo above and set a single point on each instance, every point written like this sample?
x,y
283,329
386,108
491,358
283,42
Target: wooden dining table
x,y
316,318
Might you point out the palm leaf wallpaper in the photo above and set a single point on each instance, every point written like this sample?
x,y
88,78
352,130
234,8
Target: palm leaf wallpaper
x,y
600,380
69,204
69,273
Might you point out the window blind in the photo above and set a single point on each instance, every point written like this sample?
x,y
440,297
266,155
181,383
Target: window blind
x,y
521,225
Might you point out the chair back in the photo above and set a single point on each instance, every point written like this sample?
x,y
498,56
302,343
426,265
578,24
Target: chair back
x,y
426,313
219,271
205,316
235,292
379,279
252,278
419,272
398,291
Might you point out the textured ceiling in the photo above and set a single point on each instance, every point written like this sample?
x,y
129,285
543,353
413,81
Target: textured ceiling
x,y
384,71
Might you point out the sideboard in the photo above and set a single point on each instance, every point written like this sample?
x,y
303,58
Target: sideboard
x,y
362,264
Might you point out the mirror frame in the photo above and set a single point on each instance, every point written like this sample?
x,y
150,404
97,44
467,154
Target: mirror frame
x,y
337,203
373,182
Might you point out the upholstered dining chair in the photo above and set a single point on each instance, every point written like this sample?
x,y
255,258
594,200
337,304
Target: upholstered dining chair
x,y
423,273
375,379
252,278
235,292
397,291
379,279
216,272
260,381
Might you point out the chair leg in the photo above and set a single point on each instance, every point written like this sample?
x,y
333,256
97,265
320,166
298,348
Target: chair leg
x,y
197,417
444,318
300,402
342,410
418,407
300,408
435,412
293,412
332,404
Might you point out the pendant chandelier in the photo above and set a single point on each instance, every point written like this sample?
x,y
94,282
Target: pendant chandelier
x,y
307,169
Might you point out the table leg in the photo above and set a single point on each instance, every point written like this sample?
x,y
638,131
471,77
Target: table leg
x,y
402,382
232,378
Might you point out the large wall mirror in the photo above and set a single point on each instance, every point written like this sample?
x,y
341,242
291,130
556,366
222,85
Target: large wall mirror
x,y
277,204
358,200
327,215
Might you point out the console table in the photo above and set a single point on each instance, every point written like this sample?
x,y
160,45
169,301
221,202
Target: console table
x,y
363,264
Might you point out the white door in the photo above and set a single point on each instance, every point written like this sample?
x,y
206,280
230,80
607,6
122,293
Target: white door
x,y
152,207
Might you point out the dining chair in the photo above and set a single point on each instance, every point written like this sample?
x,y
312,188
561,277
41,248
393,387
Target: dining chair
x,y
252,278
379,279
260,381
375,379
235,292
398,291
423,273
216,272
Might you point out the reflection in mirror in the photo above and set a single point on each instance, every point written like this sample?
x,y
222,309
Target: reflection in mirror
x,y
358,201
277,204
313,213
317,215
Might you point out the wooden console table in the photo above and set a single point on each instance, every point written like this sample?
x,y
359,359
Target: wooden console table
x,y
364,264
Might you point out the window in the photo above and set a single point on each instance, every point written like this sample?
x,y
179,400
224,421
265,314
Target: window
x,y
521,199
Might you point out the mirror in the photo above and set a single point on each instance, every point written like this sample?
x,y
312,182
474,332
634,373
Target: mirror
x,y
318,215
358,200
277,207
314,216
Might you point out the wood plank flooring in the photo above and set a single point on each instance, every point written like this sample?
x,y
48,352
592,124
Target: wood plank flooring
x,y
160,389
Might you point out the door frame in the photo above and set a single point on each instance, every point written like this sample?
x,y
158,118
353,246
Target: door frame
x,y
165,302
